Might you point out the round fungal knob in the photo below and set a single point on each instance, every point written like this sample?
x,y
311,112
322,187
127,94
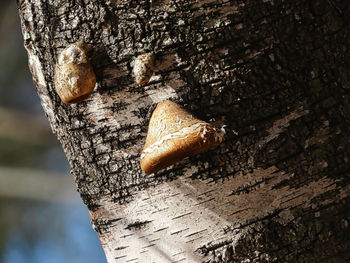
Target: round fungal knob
x,y
74,76
144,67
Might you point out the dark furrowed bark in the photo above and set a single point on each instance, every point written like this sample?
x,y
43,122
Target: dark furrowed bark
x,y
274,72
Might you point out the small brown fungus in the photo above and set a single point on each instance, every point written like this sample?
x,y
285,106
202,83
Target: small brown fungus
x,y
74,76
174,134
143,68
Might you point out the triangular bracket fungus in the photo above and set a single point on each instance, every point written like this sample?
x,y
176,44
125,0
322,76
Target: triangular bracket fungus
x,y
174,134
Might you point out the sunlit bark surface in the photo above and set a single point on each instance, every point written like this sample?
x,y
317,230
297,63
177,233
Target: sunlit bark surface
x,y
275,72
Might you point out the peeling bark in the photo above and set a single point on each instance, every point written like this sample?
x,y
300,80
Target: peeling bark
x,y
275,72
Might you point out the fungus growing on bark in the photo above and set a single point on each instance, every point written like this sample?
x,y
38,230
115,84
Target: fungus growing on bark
x,y
174,134
144,67
74,76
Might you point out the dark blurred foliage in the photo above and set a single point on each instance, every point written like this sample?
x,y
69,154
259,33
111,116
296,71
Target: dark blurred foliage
x,y
14,73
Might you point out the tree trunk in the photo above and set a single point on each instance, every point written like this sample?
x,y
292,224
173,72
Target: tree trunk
x,y
275,72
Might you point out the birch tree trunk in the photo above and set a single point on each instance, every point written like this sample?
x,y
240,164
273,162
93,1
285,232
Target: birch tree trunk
x,y
275,72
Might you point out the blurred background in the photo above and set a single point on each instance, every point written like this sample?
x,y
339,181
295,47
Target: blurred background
x,y
42,218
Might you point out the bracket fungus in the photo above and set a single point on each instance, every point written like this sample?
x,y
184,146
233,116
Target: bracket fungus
x,y
74,76
144,67
174,134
